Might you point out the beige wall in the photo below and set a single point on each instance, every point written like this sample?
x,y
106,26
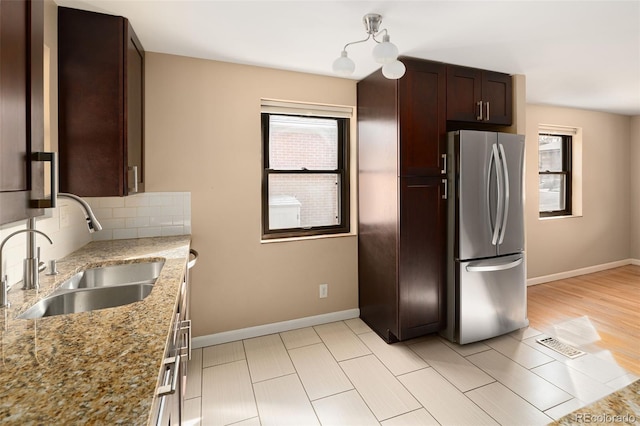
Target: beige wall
x,y
635,187
602,234
203,136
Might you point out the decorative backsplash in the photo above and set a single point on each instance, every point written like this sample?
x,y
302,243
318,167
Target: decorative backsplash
x,y
150,214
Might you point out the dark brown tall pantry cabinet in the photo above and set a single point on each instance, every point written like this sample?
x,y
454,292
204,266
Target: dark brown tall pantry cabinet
x,y
402,201
101,101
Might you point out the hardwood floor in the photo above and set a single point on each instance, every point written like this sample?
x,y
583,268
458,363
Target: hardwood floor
x,y
611,301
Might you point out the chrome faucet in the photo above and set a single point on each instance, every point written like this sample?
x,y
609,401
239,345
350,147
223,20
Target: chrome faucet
x,y
33,264
92,222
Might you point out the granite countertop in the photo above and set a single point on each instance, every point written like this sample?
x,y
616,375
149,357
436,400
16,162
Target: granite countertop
x,y
98,367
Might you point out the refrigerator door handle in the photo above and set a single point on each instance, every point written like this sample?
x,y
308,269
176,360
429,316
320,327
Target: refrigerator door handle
x,y
481,267
500,206
505,205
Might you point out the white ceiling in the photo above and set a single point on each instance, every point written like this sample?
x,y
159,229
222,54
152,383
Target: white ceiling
x,y
582,54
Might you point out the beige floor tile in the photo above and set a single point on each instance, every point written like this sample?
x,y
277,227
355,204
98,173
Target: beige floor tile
x,y
468,349
319,372
357,325
341,341
453,366
506,407
524,333
283,401
444,401
382,392
572,381
194,374
398,358
192,415
521,353
227,394
537,391
221,354
249,422
419,417
343,409
300,337
565,408
267,358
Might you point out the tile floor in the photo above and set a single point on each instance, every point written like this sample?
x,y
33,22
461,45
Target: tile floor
x,y
343,374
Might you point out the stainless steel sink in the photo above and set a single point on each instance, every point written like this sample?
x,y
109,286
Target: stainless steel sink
x,y
87,300
126,273
99,288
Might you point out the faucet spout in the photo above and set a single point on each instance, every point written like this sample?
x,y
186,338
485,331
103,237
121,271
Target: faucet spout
x,y
92,222
4,302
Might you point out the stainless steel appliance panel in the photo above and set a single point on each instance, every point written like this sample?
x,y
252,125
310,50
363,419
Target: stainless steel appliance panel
x,y
511,148
474,174
491,297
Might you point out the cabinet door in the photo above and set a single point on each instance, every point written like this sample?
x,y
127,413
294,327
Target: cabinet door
x,y
497,95
21,108
478,96
422,118
135,113
464,92
421,260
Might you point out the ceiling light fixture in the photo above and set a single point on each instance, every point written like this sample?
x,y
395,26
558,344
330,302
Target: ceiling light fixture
x,y
385,52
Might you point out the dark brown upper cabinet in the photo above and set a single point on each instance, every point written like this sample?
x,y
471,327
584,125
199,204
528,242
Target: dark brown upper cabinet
x,y
21,108
422,120
479,96
101,105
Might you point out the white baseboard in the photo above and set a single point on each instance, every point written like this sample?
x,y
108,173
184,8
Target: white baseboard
x,y
277,327
581,271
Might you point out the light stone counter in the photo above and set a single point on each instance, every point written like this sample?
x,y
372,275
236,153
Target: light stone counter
x,y
98,367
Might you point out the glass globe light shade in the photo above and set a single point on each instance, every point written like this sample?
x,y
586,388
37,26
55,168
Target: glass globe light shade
x,y
393,70
343,66
385,52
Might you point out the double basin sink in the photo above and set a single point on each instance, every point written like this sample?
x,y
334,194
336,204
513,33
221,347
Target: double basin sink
x,y
99,288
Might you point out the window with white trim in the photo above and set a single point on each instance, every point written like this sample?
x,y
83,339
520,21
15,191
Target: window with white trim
x,y
555,165
305,179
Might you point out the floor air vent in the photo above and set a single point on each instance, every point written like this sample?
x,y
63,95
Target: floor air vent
x,y
561,348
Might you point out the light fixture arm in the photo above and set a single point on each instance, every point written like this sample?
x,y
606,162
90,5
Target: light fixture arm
x,y
357,42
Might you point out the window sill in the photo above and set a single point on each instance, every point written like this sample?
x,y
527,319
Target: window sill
x,y
569,216
310,237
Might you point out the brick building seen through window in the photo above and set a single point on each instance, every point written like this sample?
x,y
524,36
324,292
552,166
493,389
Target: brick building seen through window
x,y
304,173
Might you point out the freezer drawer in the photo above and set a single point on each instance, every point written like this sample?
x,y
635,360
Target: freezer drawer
x,y
491,297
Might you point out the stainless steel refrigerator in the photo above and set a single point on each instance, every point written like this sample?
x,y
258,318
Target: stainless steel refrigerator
x,y
486,287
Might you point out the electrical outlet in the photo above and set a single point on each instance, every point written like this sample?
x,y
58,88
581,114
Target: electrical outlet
x,y
324,290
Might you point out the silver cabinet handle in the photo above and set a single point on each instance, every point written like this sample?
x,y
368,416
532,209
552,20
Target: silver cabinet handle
x,y
134,169
445,194
487,117
51,157
444,164
479,117
173,385
185,327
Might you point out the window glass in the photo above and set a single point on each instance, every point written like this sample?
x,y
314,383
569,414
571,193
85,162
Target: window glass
x,y
554,174
297,143
305,176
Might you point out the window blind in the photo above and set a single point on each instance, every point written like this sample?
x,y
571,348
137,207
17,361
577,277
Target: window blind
x,y
299,108
557,130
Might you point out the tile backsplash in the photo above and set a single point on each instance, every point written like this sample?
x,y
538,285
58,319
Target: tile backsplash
x,y
150,214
